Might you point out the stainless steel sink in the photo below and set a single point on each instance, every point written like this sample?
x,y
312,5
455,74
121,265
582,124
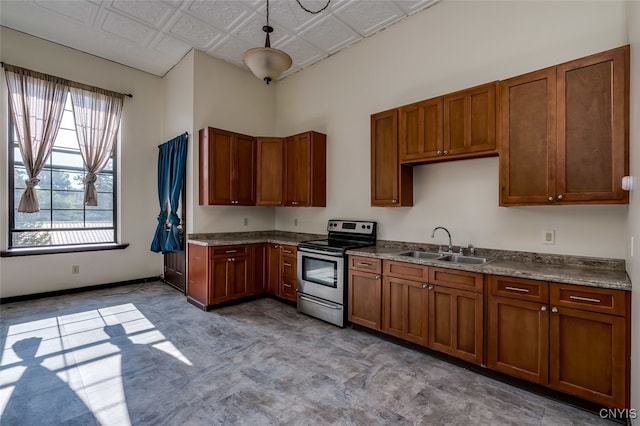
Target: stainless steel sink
x,y
422,255
459,258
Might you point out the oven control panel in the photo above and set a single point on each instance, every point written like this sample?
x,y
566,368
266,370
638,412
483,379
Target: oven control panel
x,y
352,226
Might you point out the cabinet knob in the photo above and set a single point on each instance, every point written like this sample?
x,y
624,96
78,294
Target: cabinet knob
x,y
377,277
439,152
394,201
543,309
445,152
430,287
550,198
424,286
554,310
560,197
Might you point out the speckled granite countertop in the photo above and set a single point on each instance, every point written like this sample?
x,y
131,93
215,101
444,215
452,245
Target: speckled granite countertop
x,y
237,238
588,271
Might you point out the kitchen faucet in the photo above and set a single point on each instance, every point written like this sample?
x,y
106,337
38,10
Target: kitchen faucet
x,y
448,233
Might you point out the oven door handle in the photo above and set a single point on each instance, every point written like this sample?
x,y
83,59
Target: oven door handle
x,y
306,299
320,252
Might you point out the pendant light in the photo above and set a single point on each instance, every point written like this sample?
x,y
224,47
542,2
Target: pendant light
x,y
266,62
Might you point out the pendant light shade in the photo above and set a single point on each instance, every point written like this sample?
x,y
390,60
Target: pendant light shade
x,y
267,63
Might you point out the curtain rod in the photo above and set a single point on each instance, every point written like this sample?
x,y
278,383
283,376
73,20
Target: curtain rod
x,y
73,83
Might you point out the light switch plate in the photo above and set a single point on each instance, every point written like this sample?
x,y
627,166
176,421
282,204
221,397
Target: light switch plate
x,y
549,236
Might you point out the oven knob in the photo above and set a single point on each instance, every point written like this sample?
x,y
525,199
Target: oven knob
x,y
368,226
362,226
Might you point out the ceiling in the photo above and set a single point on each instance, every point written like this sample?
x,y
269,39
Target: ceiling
x,y
153,35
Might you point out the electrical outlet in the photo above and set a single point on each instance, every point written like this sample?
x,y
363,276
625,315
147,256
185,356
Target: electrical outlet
x,y
549,236
246,221
295,222
75,269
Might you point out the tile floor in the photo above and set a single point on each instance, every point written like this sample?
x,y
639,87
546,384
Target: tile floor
x,y
140,354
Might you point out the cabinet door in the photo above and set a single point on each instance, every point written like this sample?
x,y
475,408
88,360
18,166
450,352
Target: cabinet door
x,y
391,183
456,323
237,276
470,121
365,298
219,286
420,132
215,166
589,357
518,338
243,164
270,171
592,138
528,138
257,283
273,268
197,274
297,170
404,309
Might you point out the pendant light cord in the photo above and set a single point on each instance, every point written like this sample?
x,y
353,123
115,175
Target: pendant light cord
x,y
305,9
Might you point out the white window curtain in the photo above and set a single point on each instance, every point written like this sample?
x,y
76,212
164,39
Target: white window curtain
x,y
37,103
97,114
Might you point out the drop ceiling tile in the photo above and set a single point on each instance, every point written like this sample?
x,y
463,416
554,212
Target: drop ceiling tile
x,y
219,13
367,17
168,45
231,49
194,31
330,34
251,31
127,28
302,53
82,12
153,13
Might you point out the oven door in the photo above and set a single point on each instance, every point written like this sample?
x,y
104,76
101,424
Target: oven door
x,y
321,275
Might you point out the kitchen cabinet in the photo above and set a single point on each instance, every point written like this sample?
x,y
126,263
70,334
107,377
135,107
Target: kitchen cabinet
x,y
365,292
258,282
272,273
227,168
518,328
404,306
589,343
455,126
391,182
289,280
305,163
564,133
217,274
456,320
270,171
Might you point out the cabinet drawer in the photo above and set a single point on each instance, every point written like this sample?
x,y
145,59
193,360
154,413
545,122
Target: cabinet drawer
x,y
518,288
230,251
463,280
289,250
407,271
365,264
589,298
288,290
289,267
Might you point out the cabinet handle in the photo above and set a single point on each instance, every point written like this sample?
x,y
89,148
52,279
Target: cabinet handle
x,y
424,286
521,290
584,299
554,310
430,287
445,152
287,285
438,152
231,251
363,264
543,309
276,246
286,264
377,277
550,198
231,259
560,197
286,251
394,201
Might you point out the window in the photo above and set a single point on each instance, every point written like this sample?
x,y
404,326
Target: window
x,y
63,218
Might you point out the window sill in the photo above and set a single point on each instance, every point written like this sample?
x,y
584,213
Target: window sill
x,y
35,251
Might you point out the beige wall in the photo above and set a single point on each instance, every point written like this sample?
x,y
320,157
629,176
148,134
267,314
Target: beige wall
x,y
141,133
451,46
633,219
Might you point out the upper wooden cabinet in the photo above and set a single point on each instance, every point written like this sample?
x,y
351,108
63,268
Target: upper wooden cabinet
x,y
270,171
305,166
391,182
227,168
564,133
452,127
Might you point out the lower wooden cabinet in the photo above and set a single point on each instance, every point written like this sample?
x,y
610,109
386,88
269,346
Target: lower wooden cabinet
x,y
258,282
456,323
405,309
272,268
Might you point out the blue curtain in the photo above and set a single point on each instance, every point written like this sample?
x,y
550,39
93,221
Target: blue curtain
x,y
171,164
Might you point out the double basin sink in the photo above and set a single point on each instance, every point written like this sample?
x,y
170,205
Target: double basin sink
x,y
447,257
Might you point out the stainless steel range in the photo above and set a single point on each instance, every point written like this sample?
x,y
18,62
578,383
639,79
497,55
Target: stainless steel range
x,y
322,269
